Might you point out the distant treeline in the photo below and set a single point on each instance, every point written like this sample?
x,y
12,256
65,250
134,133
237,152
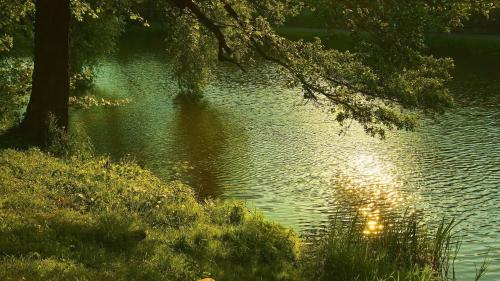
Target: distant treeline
x,y
476,24
481,24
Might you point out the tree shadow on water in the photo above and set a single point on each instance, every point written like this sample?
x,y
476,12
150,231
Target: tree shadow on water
x,y
203,135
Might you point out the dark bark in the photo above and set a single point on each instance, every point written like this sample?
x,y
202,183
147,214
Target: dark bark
x,y
50,93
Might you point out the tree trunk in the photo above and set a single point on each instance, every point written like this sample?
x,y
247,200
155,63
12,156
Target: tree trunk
x,y
50,92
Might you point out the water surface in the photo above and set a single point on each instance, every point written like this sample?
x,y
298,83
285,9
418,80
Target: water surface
x,y
254,140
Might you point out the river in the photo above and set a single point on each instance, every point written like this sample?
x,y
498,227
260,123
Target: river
x,y
252,139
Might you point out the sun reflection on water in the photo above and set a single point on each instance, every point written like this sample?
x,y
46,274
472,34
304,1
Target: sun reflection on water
x,y
370,188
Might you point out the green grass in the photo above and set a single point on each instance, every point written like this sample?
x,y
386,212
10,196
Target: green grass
x,y
95,220
404,250
73,219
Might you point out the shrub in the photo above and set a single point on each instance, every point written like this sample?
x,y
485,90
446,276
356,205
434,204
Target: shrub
x,y
15,86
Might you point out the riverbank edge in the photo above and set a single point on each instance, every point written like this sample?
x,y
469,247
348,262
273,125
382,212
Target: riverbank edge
x,y
74,219
92,219
439,44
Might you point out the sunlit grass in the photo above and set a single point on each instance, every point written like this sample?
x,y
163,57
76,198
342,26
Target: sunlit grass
x,y
70,219
404,249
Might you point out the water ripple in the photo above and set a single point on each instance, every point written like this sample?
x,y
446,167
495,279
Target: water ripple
x,y
255,141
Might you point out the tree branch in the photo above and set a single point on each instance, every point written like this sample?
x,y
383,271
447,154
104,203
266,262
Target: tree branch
x,y
224,52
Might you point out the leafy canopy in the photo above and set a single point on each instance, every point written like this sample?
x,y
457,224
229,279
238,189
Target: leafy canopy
x,y
383,83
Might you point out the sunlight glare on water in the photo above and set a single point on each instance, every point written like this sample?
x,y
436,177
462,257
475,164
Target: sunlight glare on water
x,y
372,190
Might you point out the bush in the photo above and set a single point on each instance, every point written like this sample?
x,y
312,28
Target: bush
x,y
15,86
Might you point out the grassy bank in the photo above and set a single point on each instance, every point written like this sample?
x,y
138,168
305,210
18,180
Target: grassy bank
x,y
94,220
73,219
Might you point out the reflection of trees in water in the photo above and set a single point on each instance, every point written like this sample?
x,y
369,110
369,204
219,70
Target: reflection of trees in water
x,y
202,134
473,83
114,130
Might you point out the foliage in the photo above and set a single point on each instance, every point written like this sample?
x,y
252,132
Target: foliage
x,y
187,47
396,32
384,83
94,33
481,24
381,84
97,220
15,86
83,80
92,37
89,101
391,38
13,14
